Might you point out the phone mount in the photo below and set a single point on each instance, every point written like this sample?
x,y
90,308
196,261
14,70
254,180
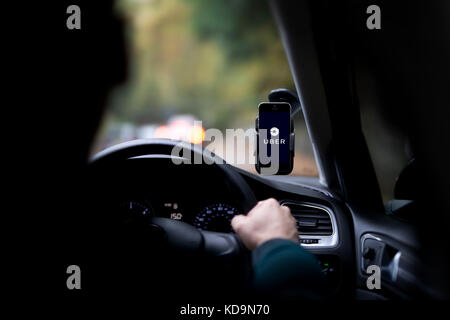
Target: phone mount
x,y
281,95
286,95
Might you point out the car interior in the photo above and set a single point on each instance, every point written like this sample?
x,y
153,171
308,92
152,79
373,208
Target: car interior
x,y
163,229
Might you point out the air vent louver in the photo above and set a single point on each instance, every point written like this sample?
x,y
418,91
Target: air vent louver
x,y
311,220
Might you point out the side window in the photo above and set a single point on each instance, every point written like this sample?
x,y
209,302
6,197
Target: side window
x,y
388,147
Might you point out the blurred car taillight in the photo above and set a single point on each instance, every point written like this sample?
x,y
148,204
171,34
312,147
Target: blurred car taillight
x,y
181,129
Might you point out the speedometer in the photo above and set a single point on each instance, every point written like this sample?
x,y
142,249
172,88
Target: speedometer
x,y
215,217
131,210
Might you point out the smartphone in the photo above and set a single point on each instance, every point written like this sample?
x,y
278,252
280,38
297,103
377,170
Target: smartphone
x,y
275,136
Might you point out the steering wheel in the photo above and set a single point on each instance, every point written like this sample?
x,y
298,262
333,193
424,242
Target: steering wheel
x,y
176,234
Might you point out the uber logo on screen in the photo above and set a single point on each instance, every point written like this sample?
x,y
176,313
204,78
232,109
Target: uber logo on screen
x,y
274,132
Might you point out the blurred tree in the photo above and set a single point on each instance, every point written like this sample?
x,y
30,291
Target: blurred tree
x,y
235,24
214,59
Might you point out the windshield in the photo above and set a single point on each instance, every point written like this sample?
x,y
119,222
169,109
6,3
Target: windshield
x,y
199,60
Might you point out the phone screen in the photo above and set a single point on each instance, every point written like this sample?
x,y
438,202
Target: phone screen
x,y
275,130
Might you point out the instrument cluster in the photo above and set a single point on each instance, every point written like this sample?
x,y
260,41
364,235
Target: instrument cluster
x,y
211,217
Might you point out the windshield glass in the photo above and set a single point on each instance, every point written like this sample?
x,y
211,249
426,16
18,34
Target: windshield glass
x,y
198,60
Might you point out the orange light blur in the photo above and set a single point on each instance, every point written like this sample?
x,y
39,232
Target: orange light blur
x,y
197,134
181,130
162,132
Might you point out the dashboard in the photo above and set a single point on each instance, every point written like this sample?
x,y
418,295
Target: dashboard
x,y
322,221
202,197
197,195
214,216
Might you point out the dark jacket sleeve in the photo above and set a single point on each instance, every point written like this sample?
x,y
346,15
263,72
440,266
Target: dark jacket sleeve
x,y
283,269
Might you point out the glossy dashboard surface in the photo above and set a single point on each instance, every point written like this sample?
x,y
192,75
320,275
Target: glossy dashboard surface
x,y
202,196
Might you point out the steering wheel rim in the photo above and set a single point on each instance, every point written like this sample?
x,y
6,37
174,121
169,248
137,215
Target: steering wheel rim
x,y
179,235
164,147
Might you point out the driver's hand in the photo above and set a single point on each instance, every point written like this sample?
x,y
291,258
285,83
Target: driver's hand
x,y
267,220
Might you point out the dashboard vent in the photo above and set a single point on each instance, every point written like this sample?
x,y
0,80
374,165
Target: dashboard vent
x,y
311,220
